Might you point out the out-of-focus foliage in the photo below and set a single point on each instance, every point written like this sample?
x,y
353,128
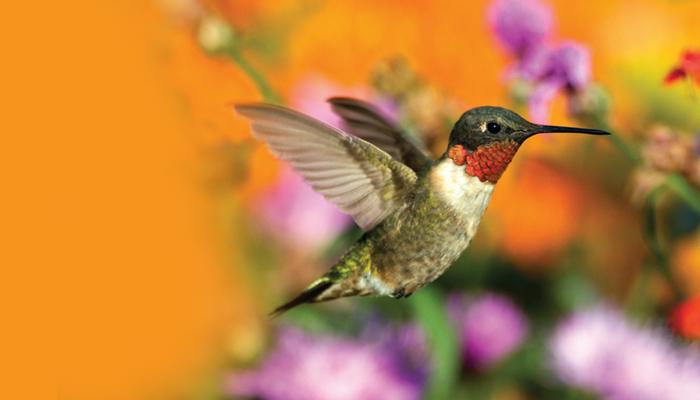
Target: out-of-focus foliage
x,y
586,250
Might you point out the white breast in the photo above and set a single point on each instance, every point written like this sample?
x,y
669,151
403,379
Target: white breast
x,y
465,194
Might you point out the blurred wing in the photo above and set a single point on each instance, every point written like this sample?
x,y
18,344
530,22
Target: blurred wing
x,y
359,178
365,121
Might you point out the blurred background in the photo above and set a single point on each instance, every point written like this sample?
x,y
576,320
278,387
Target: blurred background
x,y
167,233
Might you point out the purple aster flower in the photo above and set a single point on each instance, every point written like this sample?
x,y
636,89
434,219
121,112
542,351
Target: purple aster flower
x,y
309,367
523,27
490,327
406,340
566,68
533,66
539,100
520,25
598,350
296,214
570,64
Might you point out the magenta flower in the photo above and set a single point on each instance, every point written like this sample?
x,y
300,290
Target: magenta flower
x,y
600,351
520,25
490,327
306,367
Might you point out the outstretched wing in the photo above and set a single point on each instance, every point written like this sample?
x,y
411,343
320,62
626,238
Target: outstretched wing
x,y
365,121
359,178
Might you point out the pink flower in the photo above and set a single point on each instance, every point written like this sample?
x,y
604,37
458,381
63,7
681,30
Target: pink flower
x,y
599,350
296,214
310,95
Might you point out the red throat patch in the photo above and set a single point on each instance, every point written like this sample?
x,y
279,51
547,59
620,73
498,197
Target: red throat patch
x,y
487,162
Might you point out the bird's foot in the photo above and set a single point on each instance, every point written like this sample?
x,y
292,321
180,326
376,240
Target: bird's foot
x,y
401,293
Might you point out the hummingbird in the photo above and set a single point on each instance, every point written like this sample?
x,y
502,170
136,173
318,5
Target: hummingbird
x,y
418,214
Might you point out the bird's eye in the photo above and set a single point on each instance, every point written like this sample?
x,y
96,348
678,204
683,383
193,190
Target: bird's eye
x,y
493,127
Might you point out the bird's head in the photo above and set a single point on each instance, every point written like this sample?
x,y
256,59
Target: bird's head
x,y
485,139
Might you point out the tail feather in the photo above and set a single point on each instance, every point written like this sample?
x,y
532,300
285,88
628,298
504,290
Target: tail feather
x,y
309,295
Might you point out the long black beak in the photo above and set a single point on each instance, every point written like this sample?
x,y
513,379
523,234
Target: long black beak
x,y
568,129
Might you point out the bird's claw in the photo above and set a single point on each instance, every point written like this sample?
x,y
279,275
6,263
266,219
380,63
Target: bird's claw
x,y
401,293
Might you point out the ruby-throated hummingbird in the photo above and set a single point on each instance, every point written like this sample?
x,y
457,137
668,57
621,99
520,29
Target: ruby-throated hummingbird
x,y
418,214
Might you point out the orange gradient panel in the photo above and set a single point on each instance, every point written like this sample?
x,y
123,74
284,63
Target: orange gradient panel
x,y
120,234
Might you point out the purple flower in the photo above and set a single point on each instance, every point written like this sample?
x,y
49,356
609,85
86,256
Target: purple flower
x,y
298,215
523,27
566,68
490,327
540,98
570,65
520,25
407,340
598,350
326,368
533,66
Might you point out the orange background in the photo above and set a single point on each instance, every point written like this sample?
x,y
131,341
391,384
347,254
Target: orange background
x,y
123,293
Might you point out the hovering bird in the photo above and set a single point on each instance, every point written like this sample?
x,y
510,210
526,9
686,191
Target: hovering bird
x,y
418,214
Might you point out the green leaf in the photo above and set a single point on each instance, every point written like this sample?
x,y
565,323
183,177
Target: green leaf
x,y
431,314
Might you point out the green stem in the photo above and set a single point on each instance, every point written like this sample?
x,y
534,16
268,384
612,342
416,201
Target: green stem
x,y
651,233
624,148
637,302
617,141
675,182
682,188
430,313
258,79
